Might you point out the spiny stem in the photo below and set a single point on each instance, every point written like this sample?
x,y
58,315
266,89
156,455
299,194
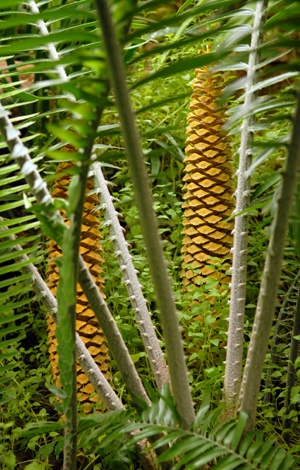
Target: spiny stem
x,y
52,51
234,356
154,352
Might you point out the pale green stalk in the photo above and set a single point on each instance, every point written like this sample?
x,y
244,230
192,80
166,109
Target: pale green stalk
x,y
170,325
270,279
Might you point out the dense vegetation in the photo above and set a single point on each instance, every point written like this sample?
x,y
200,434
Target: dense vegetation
x,y
67,113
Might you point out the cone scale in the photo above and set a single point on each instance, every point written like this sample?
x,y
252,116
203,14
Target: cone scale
x,y
208,188
86,322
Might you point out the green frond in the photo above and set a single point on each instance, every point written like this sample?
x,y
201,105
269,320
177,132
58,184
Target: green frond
x,y
181,66
218,443
51,110
174,20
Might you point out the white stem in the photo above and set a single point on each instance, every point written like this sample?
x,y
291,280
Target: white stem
x,y
154,352
233,369
52,52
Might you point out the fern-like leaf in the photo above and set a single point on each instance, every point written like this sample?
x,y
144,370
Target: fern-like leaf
x,y
221,445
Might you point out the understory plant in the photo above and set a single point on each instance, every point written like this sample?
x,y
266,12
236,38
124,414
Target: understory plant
x,y
64,83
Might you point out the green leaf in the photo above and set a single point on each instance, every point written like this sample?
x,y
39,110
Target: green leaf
x,y
16,267
146,432
53,229
268,183
273,80
41,427
246,442
201,448
35,465
204,407
211,418
288,463
165,440
59,392
208,456
209,6
225,433
12,318
177,449
262,451
68,136
232,462
295,221
181,66
38,41
277,460
21,228
64,156
184,6
12,255
23,18
239,429
9,342
269,455
10,3
74,194
255,445
15,220
4,245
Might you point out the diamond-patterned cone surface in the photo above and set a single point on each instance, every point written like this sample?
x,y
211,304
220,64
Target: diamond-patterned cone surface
x,y
208,188
86,322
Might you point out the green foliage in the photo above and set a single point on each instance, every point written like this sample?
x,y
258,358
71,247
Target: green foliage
x,y
211,440
160,54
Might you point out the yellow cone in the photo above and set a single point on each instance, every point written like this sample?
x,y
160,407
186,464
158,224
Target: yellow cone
x,y
86,323
208,188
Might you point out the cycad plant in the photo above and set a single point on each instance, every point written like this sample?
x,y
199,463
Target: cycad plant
x,y
71,68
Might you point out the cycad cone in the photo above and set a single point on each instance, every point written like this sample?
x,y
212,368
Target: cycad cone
x,y
86,323
208,189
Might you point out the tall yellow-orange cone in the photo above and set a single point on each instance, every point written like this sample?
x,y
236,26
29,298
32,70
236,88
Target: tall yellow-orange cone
x,y
86,323
208,188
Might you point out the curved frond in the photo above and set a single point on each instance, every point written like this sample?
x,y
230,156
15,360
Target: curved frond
x,y
220,444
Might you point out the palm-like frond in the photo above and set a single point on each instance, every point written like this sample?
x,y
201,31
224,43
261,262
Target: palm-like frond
x,y
50,95
222,445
